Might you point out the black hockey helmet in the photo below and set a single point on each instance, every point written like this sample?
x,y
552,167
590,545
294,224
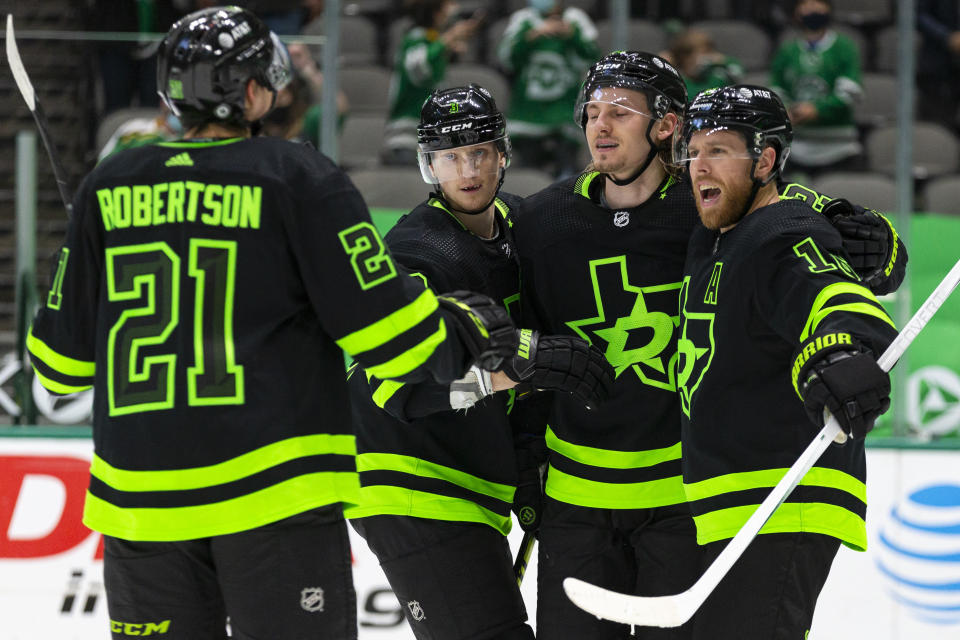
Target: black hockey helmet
x,y
207,57
638,71
459,117
756,112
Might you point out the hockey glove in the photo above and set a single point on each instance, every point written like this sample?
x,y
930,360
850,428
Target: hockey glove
x,y
868,239
561,363
836,372
484,327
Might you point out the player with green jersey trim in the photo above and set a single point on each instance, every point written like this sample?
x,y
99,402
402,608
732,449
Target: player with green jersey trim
x,y
208,290
776,327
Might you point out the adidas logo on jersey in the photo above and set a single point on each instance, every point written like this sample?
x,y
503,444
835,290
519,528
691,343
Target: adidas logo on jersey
x,y
179,160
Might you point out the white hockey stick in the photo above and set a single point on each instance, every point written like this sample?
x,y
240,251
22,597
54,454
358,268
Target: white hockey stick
x,y
674,610
30,97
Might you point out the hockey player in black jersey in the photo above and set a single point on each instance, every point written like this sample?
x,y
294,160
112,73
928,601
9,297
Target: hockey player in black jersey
x,y
775,329
436,462
602,257
208,290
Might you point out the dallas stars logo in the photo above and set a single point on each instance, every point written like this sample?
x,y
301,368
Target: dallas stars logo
x,y
695,347
634,325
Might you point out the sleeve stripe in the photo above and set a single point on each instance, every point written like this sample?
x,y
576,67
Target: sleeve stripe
x,y
836,289
56,387
853,307
386,329
411,358
424,469
385,391
60,363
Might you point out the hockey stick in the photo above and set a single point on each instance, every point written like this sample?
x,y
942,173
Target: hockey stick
x,y
674,610
527,544
30,97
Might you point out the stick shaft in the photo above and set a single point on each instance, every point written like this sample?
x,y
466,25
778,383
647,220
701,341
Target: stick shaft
x,y
523,555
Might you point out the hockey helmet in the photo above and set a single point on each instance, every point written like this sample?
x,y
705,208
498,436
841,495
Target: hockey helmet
x,y
639,71
207,57
755,112
460,118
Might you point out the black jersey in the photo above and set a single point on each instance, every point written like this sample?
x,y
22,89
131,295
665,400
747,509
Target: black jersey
x,y
417,456
750,297
208,290
612,277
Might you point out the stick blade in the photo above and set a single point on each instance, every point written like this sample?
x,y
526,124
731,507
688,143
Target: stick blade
x,y
641,611
16,66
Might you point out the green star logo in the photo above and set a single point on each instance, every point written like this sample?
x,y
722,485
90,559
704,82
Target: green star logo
x,y
634,325
695,348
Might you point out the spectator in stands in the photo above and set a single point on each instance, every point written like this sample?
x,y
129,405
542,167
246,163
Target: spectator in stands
x,y
546,48
140,131
818,76
702,66
128,70
419,67
308,70
939,63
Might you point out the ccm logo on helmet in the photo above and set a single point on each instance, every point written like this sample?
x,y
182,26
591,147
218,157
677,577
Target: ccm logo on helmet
x,y
456,127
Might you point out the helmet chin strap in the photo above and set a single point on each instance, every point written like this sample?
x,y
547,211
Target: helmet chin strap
x,y
643,167
474,212
757,184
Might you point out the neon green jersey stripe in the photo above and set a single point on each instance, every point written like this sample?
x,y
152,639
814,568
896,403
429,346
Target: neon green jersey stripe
x,y
227,471
56,387
187,144
853,307
397,501
411,358
279,501
424,469
385,391
60,363
836,289
608,458
790,517
606,495
816,477
386,329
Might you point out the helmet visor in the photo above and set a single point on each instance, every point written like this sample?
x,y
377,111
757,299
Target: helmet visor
x,y
480,161
705,139
626,98
278,72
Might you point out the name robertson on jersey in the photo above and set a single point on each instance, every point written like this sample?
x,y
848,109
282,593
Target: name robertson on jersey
x,y
145,205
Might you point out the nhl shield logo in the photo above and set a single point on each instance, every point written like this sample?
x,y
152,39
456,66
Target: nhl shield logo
x,y
621,218
311,599
416,611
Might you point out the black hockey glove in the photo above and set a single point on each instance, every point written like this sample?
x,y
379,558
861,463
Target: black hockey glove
x,y
531,469
868,239
483,325
835,371
561,363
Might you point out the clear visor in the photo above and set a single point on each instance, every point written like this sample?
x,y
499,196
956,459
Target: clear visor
x,y
603,99
480,161
279,72
710,144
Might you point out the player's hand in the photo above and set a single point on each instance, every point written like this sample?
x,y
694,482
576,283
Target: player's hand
x,y
835,372
561,363
484,327
867,237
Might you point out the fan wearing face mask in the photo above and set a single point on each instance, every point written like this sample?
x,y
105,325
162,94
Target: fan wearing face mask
x,y
818,75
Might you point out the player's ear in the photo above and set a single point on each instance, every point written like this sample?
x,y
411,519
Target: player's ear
x,y
668,125
765,163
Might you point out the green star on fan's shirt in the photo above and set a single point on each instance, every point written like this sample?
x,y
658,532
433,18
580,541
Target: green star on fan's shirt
x,y
642,339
